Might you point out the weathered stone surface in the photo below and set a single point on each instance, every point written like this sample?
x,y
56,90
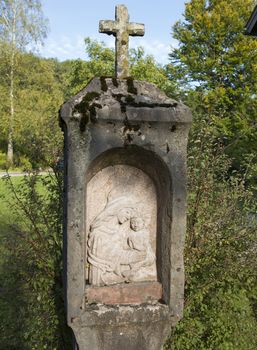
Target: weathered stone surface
x,y
123,327
137,293
121,29
124,138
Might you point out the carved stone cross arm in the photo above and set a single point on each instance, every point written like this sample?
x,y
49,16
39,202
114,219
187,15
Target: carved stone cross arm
x,y
136,29
108,27
111,27
121,29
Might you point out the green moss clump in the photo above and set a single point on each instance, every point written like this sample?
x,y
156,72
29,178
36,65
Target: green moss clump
x,y
83,106
83,122
118,97
104,86
131,88
130,99
92,110
115,82
87,110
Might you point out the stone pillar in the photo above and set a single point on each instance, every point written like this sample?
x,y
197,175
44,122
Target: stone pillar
x,y
125,216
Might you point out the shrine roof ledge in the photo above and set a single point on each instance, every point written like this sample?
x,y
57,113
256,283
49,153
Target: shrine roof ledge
x,y
107,98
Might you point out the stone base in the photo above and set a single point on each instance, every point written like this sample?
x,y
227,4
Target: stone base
x,y
138,327
136,293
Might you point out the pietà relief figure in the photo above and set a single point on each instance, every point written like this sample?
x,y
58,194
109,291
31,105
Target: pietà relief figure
x,y
119,248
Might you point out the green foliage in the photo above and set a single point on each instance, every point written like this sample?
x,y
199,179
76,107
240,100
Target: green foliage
x,y
37,133
220,253
218,62
144,67
41,86
77,73
31,267
24,164
216,65
21,23
213,49
37,136
2,161
222,321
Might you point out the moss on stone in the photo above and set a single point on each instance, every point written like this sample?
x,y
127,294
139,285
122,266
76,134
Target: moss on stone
x,y
92,110
130,99
131,87
104,86
115,82
86,110
173,128
82,107
153,105
83,122
118,97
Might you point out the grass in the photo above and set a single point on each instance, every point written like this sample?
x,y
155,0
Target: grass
x,y
7,216
5,198
10,301
14,296
10,216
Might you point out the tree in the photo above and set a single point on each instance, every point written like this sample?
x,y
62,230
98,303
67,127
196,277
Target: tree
x,y
220,250
77,73
21,24
218,62
216,65
38,136
146,68
32,294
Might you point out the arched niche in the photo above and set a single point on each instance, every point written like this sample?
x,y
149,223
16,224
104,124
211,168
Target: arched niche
x,y
132,174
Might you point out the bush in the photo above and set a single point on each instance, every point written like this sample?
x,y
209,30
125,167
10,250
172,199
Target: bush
x,y
3,161
31,270
24,163
220,252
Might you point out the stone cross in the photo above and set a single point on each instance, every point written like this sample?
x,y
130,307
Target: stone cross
x,y
121,29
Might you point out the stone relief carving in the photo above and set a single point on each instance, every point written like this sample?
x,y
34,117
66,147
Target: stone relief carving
x,y
119,247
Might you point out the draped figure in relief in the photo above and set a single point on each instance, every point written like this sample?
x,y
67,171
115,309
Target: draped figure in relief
x,y
118,245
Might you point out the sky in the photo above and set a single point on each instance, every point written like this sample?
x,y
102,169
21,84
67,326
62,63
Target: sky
x,y
70,21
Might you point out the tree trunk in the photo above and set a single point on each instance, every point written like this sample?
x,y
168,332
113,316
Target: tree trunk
x,y
11,94
11,116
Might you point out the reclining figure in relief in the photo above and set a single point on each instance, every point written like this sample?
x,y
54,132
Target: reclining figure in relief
x,y
118,246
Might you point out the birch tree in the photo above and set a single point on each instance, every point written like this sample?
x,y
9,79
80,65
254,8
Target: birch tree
x,y
21,26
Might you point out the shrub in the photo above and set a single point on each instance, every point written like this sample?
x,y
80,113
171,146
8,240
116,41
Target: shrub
x,y
3,161
31,273
24,163
220,252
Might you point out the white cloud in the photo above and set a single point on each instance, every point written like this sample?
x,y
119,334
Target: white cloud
x,y
158,49
65,47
